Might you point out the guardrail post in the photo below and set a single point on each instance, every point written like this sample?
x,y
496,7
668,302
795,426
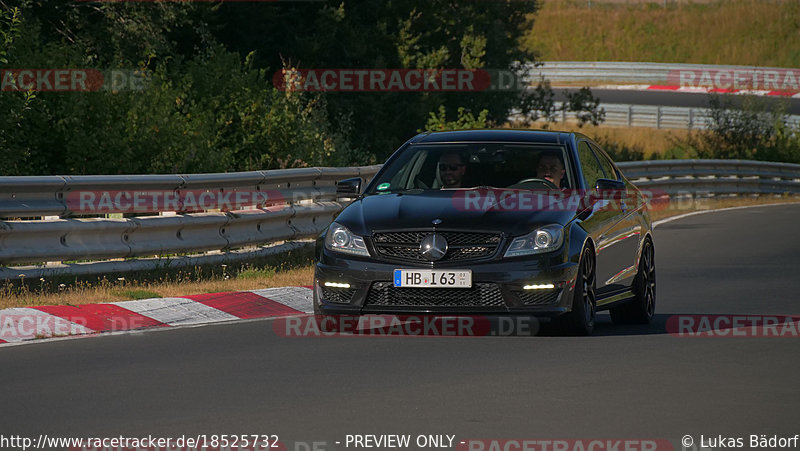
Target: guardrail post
x,y
691,118
630,115
658,117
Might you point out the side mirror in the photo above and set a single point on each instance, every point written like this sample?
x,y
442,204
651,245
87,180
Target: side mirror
x,y
349,186
605,185
606,192
610,191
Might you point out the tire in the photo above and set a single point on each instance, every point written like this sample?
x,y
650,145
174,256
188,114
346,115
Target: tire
x,y
580,321
642,309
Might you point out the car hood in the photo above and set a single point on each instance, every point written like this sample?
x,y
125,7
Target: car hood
x,y
510,212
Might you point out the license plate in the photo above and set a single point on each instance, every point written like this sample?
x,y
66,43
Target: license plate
x,y
431,278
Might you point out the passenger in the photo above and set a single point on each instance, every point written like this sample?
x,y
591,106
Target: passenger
x,y
451,169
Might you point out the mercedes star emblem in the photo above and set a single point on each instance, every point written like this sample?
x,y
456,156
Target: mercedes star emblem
x,y
433,247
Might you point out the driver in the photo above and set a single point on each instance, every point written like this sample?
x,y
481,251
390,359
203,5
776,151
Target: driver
x,y
551,169
451,169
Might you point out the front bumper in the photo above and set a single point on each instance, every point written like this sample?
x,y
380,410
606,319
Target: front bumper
x,y
497,288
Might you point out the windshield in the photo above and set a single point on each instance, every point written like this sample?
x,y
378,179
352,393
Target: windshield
x,y
459,166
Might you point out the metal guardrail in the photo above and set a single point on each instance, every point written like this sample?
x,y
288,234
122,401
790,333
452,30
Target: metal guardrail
x,y
309,204
713,177
49,195
619,72
625,115
300,204
622,115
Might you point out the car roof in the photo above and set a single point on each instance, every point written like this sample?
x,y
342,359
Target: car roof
x,y
495,135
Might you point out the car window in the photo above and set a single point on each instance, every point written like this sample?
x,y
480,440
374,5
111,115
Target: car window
x,y
501,165
590,167
605,163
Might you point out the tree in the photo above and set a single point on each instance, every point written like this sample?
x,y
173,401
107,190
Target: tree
x,y
203,108
14,153
209,104
360,34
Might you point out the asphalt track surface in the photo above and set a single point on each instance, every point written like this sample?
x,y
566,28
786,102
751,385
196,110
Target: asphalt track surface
x,y
624,382
671,98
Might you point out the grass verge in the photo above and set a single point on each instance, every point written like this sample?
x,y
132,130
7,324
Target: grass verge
x,y
631,143
290,269
745,32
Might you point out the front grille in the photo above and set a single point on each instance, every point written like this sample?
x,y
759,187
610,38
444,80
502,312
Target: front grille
x,y
480,295
538,297
405,246
338,295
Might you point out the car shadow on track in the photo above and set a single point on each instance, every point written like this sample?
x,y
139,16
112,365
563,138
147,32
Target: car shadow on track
x,y
605,328
460,326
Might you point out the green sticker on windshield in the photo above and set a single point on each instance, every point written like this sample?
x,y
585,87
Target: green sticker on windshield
x,y
383,186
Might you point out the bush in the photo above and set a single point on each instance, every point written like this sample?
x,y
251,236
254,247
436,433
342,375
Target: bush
x,y
620,151
208,112
539,104
465,120
754,130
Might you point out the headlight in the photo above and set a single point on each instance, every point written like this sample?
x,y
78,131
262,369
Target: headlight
x,y
340,239
543,239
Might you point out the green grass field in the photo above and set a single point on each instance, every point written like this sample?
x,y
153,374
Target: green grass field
x,y
746,32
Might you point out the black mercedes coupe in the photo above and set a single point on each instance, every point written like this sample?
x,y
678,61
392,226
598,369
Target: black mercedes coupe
x,y
492,222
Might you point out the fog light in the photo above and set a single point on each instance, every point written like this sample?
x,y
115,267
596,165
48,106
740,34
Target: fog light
x,y
541,286
337,285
